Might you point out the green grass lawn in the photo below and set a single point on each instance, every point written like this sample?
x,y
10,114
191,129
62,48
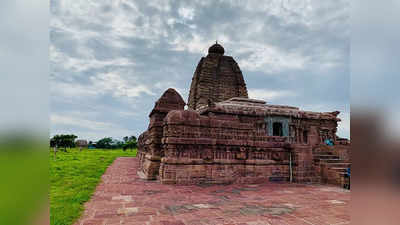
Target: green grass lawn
x,y
74,176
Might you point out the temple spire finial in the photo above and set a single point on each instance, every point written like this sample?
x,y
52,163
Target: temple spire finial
x,y
216,48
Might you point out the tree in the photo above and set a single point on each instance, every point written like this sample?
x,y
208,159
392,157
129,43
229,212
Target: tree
x,y
104,143
63,141
130,142
117,144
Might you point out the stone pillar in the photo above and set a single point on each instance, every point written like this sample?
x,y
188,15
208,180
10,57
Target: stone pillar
x,y
303,170
313,136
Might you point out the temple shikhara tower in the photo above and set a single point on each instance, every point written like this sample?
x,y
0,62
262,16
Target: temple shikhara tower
x,y
225,137
217,78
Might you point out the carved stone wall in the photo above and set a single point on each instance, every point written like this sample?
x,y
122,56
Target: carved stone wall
x,y
204,149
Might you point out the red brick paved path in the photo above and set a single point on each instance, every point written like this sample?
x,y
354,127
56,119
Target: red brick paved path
x,y
123,198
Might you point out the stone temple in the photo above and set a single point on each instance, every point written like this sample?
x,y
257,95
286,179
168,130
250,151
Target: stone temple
x,y
225,137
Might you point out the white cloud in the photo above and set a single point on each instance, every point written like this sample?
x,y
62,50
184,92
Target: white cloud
x,y
71,90
196,45
101,84
124,25
81,19
79,122
269,95
305,12
118,86
163,86
186,13
161,5
270,59
82,64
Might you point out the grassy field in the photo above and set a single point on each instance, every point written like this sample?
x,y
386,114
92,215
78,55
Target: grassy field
x,y
74,176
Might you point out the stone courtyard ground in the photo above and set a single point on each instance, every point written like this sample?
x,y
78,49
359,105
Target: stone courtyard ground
x,y
123,198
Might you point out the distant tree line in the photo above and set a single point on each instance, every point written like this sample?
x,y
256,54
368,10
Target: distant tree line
x,y
64,141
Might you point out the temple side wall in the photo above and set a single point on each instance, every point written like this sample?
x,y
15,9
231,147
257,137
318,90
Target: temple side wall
x,y
202,149
184,147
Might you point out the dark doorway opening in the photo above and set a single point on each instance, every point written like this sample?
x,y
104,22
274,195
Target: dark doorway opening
x,y
305,137
277,129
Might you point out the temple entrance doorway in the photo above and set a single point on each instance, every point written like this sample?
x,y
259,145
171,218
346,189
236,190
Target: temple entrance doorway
x,y
277,129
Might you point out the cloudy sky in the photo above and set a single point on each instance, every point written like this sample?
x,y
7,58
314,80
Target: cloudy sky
x,y
111,60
